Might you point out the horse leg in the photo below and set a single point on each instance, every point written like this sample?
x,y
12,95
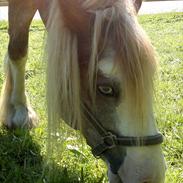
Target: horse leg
x,y
15,109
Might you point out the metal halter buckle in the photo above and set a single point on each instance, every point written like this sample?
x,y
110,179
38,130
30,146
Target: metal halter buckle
x,y
109,140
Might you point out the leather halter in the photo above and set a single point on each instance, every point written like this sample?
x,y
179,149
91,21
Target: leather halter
x,y
110,140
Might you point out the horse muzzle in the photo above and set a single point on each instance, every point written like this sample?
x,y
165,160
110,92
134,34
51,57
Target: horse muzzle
x,y
140,165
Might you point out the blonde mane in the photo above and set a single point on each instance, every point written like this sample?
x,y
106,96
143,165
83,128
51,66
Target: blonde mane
x,y
63,83
135,55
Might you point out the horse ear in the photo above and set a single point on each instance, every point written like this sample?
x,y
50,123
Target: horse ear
x,y
137,4
75,17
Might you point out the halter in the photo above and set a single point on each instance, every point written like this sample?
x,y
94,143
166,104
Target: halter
x,y
110,140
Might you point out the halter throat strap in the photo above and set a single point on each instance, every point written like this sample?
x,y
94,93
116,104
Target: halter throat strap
x,y
110,140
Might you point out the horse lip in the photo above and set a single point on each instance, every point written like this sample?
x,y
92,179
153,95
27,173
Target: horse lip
x,y
114,178
115,158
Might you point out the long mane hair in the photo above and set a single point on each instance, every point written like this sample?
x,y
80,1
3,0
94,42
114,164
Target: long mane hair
x,y
134,53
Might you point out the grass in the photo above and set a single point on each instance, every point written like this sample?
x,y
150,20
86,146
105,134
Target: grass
x,y
23,154
166,34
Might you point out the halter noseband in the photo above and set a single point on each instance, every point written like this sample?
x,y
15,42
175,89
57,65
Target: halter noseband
x,y
110,140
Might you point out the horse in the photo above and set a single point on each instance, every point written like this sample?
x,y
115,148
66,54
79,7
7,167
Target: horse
x,y
100,72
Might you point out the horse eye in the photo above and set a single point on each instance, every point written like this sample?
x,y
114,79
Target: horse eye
x,y
106,90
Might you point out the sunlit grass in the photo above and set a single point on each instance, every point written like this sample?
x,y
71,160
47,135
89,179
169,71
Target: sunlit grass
x,y
166,32
23,154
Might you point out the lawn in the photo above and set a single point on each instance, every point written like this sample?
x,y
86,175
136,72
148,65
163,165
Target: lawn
x,y
23,157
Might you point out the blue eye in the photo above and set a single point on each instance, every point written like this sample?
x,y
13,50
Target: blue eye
x,y
106,90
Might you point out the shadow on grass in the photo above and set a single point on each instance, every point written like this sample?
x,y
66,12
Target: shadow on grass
x,y
21,161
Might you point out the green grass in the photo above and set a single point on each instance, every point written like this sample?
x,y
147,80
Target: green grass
x,y
23,154
166,32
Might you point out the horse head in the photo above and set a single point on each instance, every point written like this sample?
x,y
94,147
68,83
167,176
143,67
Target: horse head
x,y
100,80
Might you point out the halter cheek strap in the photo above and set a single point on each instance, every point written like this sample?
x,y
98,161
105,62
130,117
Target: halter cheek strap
x,y
109,140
